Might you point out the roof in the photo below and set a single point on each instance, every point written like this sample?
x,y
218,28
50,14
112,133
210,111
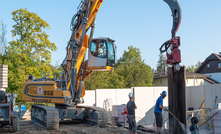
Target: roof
x,y
188,75
210,80
196,75
104,38
218,56
211,57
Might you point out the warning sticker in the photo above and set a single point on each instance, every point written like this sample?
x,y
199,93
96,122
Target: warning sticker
x,y
40,90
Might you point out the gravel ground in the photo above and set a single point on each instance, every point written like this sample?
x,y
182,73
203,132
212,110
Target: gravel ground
x,y
66,127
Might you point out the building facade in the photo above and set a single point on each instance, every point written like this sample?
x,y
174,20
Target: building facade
x,y
211,66
192,79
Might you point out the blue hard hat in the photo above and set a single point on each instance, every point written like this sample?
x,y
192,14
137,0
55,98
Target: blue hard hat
x,y
164,93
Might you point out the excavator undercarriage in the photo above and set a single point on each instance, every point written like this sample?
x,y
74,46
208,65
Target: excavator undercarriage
x,y
48,117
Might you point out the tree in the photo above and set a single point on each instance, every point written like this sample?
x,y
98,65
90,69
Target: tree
x,y
56,70
130,71
131,56
193,68
134,70
161,64
197,65
2,38
30,52
100,80
32,39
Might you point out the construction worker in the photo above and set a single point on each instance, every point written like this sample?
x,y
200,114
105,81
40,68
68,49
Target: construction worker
x,y
131,106
158,111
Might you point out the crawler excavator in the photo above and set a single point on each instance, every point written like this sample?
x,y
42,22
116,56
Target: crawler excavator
x,y
68,91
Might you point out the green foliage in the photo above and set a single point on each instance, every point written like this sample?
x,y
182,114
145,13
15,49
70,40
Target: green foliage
x,y
193,68
55,70
30,52
132,56
32,42
130,71
162,63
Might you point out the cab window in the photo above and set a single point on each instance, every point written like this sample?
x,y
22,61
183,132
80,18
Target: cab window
x,y
111,54
98,48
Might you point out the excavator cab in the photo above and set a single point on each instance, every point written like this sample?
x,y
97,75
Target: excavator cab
x,y
101,54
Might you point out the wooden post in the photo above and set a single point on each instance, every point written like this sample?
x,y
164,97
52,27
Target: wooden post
x,y
177,99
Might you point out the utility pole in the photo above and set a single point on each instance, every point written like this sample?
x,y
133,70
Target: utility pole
x,y
177,99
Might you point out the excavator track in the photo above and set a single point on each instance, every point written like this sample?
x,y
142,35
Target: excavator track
x,y
45,116
95,115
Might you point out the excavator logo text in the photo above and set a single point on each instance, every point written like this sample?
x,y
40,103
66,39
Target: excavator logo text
x,y
40,90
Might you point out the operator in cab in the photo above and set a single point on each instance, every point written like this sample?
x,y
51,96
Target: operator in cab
x,y
101,50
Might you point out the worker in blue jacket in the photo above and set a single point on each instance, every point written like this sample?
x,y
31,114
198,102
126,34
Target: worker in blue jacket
x,y
158,111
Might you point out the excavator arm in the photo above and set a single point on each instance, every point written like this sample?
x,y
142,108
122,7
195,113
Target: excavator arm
x,y
76,69
176,14
171,46
80,24
73,75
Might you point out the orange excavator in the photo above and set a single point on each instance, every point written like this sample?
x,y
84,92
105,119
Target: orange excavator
x,y
67,91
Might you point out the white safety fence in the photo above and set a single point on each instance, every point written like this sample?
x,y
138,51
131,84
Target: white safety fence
x,y
145,99
104,97
210,93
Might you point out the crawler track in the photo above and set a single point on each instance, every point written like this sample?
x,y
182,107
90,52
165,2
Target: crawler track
x,y
95,115
45,116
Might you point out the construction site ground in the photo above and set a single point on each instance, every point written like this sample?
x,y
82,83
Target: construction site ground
x,y
26,126
66,127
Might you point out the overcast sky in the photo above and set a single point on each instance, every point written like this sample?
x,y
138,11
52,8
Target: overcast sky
x,y
145,24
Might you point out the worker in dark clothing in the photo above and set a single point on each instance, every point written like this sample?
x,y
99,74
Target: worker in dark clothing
x,y
131,106
158,111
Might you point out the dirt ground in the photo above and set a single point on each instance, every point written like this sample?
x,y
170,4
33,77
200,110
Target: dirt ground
x,y
67,127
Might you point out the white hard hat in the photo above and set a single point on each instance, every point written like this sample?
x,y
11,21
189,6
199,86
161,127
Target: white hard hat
x,y
130,95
